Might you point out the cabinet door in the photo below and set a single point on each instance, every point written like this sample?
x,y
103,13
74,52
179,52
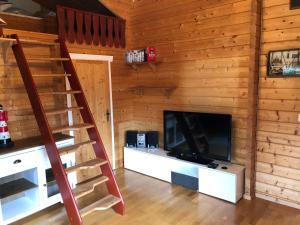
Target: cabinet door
x,y
217,184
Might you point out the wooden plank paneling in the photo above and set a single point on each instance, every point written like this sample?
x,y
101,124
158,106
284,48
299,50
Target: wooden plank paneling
x,y
208,52
278,137
45,25
205,49
13,95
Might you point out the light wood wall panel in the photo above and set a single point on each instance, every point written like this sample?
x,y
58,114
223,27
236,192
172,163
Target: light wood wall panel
x,y
278,140
13,95
35,24
205,49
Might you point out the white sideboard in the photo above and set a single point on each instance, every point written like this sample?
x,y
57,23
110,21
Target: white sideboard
x,y
226,184
27,184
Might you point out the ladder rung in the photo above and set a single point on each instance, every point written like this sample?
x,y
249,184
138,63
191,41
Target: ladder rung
x,y
88,187
59,93
103,204
62,110
52,75
86,165
66,150
46,59
73,127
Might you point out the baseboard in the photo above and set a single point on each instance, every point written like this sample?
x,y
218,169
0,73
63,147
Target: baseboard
x,y
278,200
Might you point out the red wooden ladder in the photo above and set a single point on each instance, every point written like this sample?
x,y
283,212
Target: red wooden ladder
x,y
114,199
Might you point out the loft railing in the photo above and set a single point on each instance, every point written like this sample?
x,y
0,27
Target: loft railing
x,y
81,26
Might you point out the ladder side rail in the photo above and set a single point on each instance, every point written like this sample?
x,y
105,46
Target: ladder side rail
x,y
92,132
47,136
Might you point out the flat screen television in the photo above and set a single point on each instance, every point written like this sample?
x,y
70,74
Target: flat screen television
x,y
198,137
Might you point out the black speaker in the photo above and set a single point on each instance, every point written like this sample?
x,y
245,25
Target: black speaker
x,y
152,139
131,138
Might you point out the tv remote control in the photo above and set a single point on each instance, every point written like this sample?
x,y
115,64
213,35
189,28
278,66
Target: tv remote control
x,y
212,165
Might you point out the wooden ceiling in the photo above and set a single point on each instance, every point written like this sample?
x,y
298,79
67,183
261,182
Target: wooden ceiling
x,y
87,5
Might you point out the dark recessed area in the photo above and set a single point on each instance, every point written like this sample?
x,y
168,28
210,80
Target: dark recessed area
x,y
295,4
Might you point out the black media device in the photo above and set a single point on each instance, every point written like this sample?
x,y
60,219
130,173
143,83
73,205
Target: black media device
x,y
136,139
197,137
212,165
152,139
141,140
131,138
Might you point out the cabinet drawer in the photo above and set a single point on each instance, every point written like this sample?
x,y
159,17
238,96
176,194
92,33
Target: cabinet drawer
x,y
20,162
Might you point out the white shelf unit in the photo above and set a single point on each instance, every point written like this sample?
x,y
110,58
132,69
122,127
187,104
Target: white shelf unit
x,y
23,178
226,184
15,209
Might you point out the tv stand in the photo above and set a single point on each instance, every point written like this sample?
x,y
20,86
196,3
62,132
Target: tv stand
x,y
226,184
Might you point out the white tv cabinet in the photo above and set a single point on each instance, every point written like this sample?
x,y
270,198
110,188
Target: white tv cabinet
x,y
27,184
226,184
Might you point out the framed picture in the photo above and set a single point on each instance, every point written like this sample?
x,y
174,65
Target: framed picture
x,y
284,63
294,4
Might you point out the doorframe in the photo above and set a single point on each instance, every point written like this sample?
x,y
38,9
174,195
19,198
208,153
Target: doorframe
x,y
109,60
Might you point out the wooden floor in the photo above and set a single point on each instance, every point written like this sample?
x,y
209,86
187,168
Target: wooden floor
x,y
153,202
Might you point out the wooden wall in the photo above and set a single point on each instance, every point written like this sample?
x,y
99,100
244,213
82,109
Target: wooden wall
x,y
204,49
278,140
122,102
13,95
35,24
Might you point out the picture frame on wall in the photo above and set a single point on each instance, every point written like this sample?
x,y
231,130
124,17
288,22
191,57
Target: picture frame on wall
x,y
294,4
284,63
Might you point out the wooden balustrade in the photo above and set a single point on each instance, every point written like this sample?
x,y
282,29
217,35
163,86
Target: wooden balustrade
x,y
81,26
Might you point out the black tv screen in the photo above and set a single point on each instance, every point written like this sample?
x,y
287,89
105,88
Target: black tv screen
x,y
204,134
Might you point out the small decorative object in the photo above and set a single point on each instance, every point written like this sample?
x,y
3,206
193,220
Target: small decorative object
x,y
133,56
141,55
294,4
151,54
5,140
284,63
